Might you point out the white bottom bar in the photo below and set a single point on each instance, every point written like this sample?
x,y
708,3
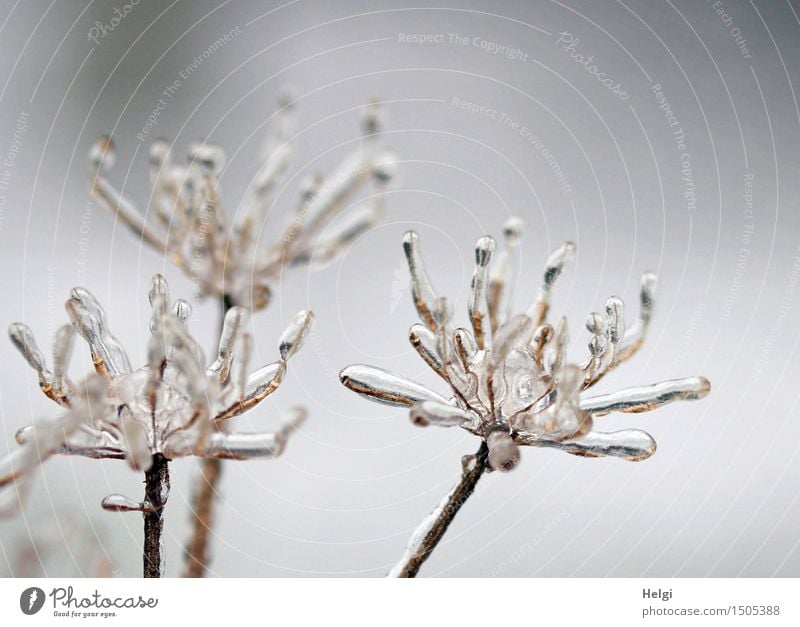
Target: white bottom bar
x,y
380,602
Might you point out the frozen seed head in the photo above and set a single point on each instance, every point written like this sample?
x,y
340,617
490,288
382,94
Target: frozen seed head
x,y
168,407
510,380
226,253
103,154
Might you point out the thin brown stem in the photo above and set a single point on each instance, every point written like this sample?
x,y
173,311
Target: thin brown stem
x,y
156,492
433,528
198,554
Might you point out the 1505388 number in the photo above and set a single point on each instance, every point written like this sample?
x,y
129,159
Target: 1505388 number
x,y
758,610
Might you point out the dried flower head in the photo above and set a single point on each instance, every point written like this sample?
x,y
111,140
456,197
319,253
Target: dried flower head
x,y
221,251
169,408
510,382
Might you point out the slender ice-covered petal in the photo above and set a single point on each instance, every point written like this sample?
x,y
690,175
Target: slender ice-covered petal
x,y
336,239
421,290
23,340
615,320
232,326
241,366
478,306
646,398
465,346
295,334
243,445
260,384
553,269
101,158
514,333
88,318
558,354
120,503
424,342
438,414
62,352
386,387
500,275
634,336
630,444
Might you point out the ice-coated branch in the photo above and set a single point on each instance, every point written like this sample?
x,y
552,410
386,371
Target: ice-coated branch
x,y
428,535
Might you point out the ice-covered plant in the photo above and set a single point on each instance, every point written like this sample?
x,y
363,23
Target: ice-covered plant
x,y
509,380
222,251
171,407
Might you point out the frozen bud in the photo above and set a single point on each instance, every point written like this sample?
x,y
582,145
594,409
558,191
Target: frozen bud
x,y
295,334
209,156
23,341
182,310
483,251
371,123
503,451
102,154
556,262
595,324
615,314
385,167
437,414
310,186
647,294
513,230
159,152
158,287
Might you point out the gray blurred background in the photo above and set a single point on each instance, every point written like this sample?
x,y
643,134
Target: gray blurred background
x,y
596,165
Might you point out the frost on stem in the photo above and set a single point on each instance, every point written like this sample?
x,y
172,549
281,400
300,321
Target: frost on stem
x,y
168,408
222,251
509,378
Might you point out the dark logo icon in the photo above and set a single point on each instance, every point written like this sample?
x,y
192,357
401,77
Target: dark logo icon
x,y
31,600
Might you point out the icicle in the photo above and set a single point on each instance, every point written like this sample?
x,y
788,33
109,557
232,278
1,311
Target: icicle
x,y
385,387
646,398
478,307
421,290
295,334
553,269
